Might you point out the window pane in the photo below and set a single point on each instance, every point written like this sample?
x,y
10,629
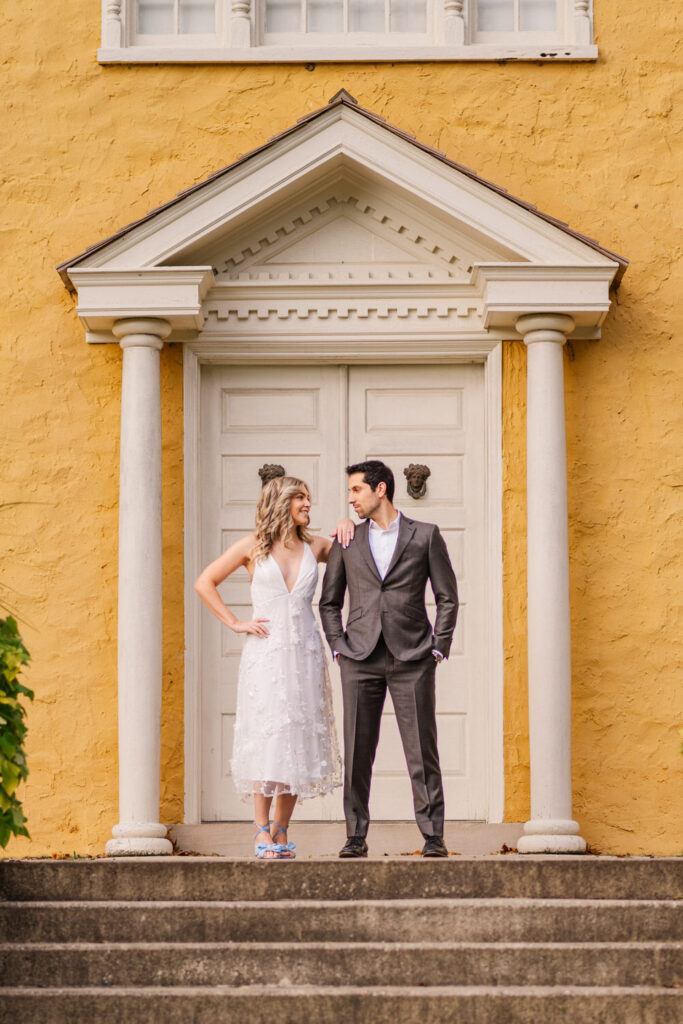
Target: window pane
x,y
537,15
366,15
283,16
495,15
155,17
325,15
408,16
197,16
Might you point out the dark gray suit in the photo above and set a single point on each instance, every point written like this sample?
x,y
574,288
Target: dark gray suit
x,y
387,644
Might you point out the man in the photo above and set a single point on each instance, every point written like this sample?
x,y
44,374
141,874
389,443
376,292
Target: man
x,y
389,644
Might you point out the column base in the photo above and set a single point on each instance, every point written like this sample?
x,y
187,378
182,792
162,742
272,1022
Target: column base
x,y
551,835
140,840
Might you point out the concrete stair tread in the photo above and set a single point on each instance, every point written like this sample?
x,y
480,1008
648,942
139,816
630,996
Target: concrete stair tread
x,y
326,964
383,1005
336,946
410,877
300,905
355,921
377,991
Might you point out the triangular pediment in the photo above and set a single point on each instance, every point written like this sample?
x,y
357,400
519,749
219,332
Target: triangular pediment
x,y
343,194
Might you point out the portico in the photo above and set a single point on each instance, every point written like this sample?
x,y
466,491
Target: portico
x,y
245,269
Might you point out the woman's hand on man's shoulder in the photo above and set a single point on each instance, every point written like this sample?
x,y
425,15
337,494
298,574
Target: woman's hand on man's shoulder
x,y
344,532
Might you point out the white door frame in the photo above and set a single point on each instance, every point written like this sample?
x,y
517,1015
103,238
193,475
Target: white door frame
x,y
435,349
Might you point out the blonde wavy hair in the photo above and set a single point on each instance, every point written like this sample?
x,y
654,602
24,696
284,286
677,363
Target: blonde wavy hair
x,y
273,517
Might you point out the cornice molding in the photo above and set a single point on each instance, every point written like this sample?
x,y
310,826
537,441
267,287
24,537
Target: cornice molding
x,y
515,289
191,300
405,309
174,294
258,302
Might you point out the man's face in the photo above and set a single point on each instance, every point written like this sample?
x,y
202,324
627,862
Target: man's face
x,y
365,501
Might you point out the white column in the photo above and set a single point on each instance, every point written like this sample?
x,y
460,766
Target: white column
x,y
140,628
551,828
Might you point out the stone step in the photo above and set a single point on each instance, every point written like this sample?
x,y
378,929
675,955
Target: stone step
x,y
84,965
202,878
481,920
304,1005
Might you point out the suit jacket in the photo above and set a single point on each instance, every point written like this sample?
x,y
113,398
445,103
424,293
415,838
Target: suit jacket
x,y
394,606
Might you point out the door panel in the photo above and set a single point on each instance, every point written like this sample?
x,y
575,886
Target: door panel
x,y
251,416
434,415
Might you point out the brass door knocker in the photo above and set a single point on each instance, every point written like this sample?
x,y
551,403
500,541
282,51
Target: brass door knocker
x,y
416,477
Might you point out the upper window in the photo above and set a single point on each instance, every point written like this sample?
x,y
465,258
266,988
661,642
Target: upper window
x,y
503,17
175,17
328,30
364,20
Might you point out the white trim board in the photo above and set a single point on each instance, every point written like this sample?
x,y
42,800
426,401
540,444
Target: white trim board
x,y
140,54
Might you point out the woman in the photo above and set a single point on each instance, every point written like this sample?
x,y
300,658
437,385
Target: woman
x,y
285,744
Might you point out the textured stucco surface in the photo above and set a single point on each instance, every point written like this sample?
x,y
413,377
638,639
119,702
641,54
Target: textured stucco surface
x,y
88,148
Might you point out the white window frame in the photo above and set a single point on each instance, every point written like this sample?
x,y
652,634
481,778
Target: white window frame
x,y
240,37
555,38
368,42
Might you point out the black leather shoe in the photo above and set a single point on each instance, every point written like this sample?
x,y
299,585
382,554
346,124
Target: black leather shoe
x,y
434,847
355,846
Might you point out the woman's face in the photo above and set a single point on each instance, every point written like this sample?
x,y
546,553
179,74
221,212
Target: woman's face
x,y
300,508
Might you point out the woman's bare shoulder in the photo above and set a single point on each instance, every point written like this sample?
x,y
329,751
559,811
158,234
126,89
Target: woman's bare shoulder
x,y
248,543
241,550
320,546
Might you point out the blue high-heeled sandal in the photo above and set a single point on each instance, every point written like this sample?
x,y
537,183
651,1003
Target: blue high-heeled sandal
x,y
287,849
261,848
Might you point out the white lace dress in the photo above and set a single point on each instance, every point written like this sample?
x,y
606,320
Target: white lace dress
x,y
285,739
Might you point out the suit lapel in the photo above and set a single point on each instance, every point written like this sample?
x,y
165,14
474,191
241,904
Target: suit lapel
x,y
406,529
363,537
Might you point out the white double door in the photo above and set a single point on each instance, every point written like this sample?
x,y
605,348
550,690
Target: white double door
x,y
314,420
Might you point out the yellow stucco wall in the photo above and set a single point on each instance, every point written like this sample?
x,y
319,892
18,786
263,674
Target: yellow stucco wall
x,y
88,148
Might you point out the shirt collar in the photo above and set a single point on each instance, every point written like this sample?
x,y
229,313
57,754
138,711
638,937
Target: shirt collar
x,y
390,529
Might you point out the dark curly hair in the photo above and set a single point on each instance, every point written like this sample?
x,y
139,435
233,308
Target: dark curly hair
x,y
374,472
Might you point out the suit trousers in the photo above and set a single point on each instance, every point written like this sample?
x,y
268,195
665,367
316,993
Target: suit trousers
x,y
413,693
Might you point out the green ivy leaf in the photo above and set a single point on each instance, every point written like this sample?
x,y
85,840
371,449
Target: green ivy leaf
x,y
5,832
17,816
10,776
8,744
13,768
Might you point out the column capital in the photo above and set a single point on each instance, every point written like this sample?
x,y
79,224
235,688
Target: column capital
x,y
141,332
535,327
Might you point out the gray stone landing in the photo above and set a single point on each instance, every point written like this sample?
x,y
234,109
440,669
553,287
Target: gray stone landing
x,y
325,839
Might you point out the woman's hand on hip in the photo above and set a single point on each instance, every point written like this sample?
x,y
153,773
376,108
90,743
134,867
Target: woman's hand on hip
x,y
254,626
